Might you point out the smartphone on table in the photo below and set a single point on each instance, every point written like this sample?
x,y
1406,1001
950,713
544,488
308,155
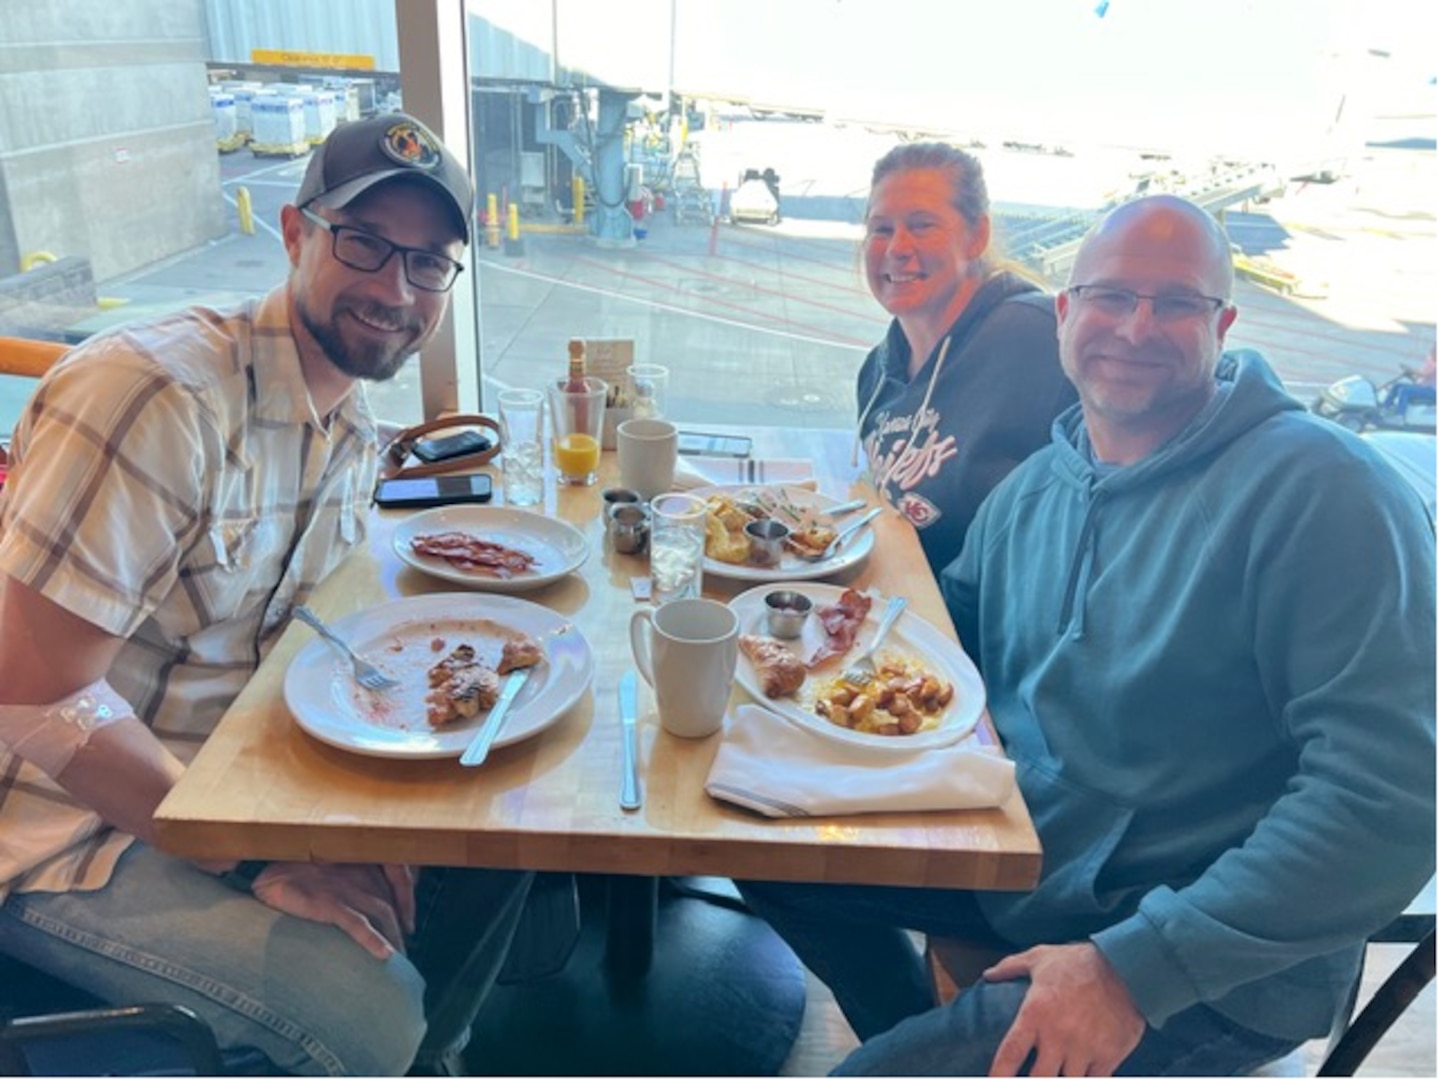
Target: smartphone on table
x,y
450,446
699,442
420,492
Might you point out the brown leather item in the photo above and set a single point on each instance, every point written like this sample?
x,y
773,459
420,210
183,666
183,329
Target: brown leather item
x,y
394,455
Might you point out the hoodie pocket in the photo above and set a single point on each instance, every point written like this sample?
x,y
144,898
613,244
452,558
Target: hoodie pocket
x,y
1079,831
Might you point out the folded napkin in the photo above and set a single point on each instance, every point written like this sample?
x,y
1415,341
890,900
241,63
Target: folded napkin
x,y
696,470
776,768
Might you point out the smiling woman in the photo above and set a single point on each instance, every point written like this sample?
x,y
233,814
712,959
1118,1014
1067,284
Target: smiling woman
x,y
967,380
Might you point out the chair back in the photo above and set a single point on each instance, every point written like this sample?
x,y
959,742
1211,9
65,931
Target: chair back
x,y
29,357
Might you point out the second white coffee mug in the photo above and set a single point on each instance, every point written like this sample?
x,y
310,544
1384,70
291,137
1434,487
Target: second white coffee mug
x,y
687,650
648,450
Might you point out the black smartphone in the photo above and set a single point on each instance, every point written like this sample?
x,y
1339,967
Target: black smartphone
x,y
699,442
451,446
418,492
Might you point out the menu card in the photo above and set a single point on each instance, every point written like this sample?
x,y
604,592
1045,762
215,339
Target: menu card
x,y
609,359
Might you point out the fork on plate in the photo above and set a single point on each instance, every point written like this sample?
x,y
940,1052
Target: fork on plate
x,y
862,671
366,674
838,542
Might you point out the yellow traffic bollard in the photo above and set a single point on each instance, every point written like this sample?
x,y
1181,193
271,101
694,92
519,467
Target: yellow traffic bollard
x,y
246,209
577,193
34,259
513,244
492,221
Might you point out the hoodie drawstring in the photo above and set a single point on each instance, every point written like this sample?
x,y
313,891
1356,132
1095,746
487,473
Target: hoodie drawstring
x,y
1080,569
879,482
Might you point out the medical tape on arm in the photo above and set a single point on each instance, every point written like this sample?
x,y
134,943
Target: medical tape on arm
x,y
48,736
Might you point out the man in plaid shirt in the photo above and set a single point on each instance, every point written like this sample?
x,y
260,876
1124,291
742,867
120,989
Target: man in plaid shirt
x,y
175,489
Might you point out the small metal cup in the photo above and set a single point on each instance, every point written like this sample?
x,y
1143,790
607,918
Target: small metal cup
x,y
617,496
766,541
785,612
628,526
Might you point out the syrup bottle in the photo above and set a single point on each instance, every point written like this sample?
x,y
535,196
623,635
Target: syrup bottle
x,y
575,383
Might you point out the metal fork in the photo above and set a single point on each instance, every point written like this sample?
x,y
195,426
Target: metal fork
x,y
862,672
366,674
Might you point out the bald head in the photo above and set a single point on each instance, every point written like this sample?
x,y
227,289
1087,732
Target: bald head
x,y
1159,228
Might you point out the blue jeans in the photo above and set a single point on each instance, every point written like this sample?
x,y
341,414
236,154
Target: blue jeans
x,y
302,993
853,938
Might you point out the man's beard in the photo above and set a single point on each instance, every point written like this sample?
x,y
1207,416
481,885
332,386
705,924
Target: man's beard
x,y
363,360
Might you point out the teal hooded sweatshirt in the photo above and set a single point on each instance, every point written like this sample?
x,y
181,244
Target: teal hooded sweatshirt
x,y
1215,672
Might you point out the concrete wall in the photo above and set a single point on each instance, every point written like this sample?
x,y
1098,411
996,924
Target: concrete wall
x,y
107,143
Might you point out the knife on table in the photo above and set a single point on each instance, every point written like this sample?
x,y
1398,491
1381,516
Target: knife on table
x,y
479,747
631,797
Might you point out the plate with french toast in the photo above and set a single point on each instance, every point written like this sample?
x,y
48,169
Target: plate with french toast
x,y
925,691
732,552
450,653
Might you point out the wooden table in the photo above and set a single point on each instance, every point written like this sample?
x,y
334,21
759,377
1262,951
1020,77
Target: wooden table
x,y
262,788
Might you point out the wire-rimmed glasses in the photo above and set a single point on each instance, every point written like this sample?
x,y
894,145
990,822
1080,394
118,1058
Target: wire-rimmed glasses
x,y
1120,303
362,250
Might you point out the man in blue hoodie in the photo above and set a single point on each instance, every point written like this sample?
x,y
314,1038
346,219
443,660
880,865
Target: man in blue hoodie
x,y
1206,623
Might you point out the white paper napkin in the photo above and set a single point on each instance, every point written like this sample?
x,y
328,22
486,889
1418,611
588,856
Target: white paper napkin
x,y
696,470
776,768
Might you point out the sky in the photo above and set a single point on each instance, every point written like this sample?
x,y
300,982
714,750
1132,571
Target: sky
x,y
1225,74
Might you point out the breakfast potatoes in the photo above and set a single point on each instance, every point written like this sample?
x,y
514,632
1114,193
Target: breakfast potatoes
x,y
903,698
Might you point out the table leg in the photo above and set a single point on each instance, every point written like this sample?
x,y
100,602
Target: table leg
x,y
660,983
632,914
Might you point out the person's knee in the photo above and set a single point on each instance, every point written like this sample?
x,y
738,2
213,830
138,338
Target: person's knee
x,y
958,1039
341,1012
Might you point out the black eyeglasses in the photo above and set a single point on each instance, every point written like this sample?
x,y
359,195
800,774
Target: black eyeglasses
x,y
1167,307
361,250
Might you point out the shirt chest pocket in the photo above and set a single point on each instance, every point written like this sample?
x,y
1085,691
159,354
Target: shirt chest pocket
x,y
247,554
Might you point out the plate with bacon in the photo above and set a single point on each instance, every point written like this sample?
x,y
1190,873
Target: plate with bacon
x,y
450,653
925,693
490,547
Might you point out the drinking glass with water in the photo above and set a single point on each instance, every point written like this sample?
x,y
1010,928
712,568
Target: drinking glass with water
x,y
522,456
677,546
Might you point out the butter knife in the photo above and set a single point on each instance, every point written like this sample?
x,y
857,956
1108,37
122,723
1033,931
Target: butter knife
x,y
631,798
479,747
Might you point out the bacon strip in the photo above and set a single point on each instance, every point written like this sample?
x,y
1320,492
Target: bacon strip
x,y
841,621
467,552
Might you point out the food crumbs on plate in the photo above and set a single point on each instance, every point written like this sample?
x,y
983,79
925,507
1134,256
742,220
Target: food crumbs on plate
x,y
472,651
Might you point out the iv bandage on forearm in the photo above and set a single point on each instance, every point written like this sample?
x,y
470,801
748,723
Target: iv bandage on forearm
x,y
48,736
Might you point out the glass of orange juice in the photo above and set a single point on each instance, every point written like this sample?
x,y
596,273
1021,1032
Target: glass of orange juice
x,y
578,416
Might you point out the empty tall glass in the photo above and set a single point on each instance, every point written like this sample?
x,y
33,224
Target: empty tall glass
x,y
522,451
677,546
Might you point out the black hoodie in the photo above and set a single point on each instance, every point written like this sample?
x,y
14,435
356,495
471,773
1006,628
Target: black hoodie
x,y
938,443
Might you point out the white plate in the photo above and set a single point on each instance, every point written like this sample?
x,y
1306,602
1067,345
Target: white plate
x,y
327,702
792,567
558,548
911,636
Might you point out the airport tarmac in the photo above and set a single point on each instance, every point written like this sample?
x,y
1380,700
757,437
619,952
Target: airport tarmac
x,y
769,324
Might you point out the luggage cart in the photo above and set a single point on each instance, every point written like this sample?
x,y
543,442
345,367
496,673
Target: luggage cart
x,y
691,200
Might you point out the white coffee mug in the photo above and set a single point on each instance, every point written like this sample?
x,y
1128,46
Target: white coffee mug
x,y
648,450
687,650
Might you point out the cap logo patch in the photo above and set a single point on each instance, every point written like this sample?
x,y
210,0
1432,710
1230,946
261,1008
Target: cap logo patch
x,y
409,144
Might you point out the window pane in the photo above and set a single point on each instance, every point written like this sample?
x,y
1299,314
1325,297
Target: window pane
x,y
147,173
1304,125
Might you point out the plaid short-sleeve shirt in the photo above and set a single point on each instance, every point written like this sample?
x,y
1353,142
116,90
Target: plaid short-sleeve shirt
x,y
171,484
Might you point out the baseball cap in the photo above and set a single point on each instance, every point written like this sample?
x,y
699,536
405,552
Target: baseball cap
x,y
359,154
